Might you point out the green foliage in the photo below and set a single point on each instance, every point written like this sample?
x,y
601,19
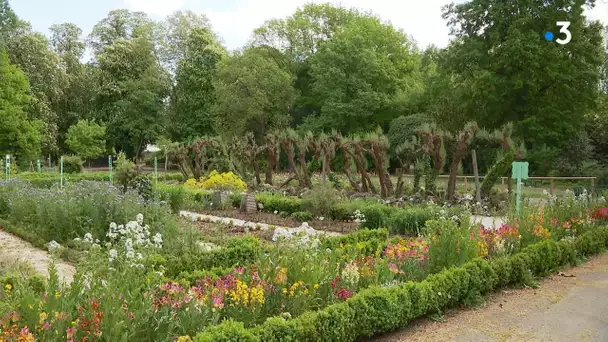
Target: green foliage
x,y
229,331
72,164
502,165
176,198
191,111
273,202
403,128
253,93
320,200
125,171
376,216
409,221
449,244
518,77
361,75
302,216
87,139
377,310
143,186
19,136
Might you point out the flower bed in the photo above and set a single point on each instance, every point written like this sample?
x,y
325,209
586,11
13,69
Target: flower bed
x,y
378,310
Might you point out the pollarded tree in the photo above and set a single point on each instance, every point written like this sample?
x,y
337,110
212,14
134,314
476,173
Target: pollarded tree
x,y
434,148
87,139
377,145
272,145
461,142
345,144
327,147
287,139
408,153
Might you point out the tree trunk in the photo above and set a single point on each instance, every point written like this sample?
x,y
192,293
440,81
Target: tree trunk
x,y
366,183
454,174
256,168
303,166
272,163
347,164
292,164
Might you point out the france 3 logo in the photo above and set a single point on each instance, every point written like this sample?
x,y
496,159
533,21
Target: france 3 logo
x,y
563,31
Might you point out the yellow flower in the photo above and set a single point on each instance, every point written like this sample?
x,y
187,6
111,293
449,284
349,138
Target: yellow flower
x,y
316,286
57,294
284,291
183,339
43,317
8,287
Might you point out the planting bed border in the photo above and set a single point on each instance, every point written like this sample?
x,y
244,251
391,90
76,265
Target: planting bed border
x,y
378,310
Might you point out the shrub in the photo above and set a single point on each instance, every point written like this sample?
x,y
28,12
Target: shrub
x,y
376,215
408,221
228,331
126,171
235,199
223,181
274,202
176,199
72,164
320,200
143,186
340,212
302,216
449,245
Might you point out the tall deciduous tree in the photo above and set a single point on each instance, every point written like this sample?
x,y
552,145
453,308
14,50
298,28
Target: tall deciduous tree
x,y
132,91
18,135
361,77
192,97
253,93
512,74
87,139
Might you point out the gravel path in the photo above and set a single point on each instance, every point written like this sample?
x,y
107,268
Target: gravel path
x,y
243,223
13,248
561,309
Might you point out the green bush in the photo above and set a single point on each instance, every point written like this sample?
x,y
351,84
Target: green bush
x,y
320,200
274,202
372,241
302,216
235,199
72,164
126,171
376,215
228,331
408,221
449,244
176,198
340,212
377,310
143,186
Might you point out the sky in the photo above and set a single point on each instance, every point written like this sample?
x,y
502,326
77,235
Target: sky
x,y
234,20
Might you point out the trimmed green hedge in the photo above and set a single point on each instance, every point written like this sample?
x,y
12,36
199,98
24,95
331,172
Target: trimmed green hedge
x,y
376,310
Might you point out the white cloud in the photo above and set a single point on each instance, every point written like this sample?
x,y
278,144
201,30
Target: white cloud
x,y
156,7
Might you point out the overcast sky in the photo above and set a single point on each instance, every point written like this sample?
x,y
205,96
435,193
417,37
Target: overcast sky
x,y
234,20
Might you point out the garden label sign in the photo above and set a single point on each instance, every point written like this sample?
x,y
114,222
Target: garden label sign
x,y
519,172
8,167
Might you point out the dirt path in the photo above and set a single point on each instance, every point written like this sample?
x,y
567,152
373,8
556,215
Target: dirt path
x,y
562,309
13,248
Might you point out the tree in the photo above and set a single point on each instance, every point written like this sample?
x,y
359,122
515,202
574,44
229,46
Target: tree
x,y
87,139
508,72
190,113
30,51
10,24
19,136
361,77
461,142
178,29
131,95
253,93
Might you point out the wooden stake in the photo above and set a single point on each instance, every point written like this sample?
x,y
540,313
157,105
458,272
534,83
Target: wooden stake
x,y
476,174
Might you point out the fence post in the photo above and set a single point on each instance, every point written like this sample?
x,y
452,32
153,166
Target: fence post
x,y
61,172
476,173
110,168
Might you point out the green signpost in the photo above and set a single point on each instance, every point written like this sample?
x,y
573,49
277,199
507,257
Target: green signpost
x,y
61,172
110,168
155,170
519,172
7,165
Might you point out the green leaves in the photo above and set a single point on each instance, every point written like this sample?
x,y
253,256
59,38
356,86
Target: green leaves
x,y
87,139
18,135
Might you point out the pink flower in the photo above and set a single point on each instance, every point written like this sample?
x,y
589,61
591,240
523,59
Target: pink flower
x,y
239,270
218,301
46,326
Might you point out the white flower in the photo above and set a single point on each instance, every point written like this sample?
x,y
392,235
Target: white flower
x,y
113,254
53,245
139,218
276,212
113,226
77,239
88,237
130,254
139,256
157,239
321,218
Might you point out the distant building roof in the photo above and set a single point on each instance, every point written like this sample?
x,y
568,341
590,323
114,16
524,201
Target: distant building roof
x,y
152,148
